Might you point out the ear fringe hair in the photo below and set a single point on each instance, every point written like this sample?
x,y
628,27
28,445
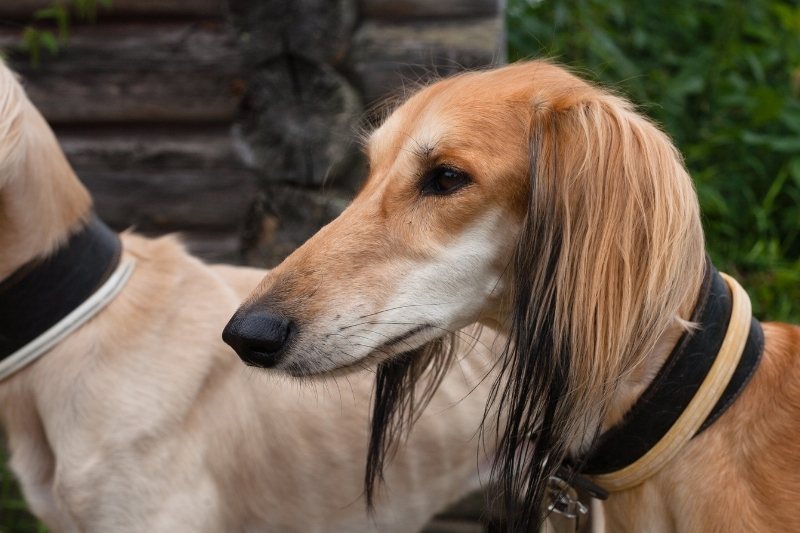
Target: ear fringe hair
x,y
610,248
535,363
404,385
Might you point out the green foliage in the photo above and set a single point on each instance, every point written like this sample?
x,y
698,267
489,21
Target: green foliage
x,y
14,517
59,14
723,79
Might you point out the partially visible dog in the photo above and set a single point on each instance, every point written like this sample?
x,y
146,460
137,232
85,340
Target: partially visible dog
x,y
531,200
143,420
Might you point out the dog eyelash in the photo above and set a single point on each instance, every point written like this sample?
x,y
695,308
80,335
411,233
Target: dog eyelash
x,y
443,180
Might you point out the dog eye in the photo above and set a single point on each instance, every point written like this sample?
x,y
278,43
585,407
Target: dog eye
x,y
443,180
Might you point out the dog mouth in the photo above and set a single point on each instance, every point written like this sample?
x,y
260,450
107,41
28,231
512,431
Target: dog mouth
x,y
405,337
386,350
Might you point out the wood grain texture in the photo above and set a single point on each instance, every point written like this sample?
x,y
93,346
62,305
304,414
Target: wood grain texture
x,y
169,200
23,9
171,71
427,8
317,30
168,147
390,57
298,122
162,179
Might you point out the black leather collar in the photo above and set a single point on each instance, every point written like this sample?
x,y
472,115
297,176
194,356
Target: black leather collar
x,y
676,384
42,292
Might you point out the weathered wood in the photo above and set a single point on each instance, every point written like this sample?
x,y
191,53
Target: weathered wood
x,y
428,8
298,122
170,200
107,149
282,219
162,179
136,73
318,30
24,9
387,57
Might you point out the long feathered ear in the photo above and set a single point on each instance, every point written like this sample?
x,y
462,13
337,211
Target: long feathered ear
x,y
610,249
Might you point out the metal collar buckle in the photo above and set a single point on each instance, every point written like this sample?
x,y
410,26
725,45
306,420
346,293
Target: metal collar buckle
x,y
565,510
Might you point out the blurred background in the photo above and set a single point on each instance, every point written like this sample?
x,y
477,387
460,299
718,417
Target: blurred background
x,y
235,122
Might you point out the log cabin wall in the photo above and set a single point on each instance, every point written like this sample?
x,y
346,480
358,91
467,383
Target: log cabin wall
x,y
234,121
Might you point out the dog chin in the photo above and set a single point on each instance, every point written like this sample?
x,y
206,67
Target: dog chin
x,y
404,343
310,370
299,370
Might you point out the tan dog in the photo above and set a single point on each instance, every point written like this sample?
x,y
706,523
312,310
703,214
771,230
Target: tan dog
x,y
528,199
143,420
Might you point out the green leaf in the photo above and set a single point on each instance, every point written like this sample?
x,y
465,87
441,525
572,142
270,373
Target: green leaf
x,y
790,144
63,25
794,170
31,40
85,9
45,13
49,41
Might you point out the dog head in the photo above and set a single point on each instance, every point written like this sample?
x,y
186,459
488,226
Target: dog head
x,y
419,252
524,198
527,160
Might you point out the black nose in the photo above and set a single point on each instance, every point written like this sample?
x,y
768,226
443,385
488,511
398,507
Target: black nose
x,y
258,336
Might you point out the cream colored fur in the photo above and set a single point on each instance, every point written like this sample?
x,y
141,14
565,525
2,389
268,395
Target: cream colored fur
x,y
143,420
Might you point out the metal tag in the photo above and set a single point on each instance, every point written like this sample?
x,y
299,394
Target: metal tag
x,y
566,513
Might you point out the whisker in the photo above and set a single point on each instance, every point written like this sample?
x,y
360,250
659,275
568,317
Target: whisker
x,y
404,307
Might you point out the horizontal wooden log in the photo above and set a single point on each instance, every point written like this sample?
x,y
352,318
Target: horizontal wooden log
x,y
170,200
108,149
428,8
135,73
388,57
24,9
162,180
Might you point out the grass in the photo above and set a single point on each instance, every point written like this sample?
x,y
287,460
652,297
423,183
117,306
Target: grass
x,y
14,515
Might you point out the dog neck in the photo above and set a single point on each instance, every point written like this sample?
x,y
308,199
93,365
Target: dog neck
x,y
702,376
641,376
41,199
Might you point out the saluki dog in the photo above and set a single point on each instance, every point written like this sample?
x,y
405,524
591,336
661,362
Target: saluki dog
x,y
142,419
534,202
